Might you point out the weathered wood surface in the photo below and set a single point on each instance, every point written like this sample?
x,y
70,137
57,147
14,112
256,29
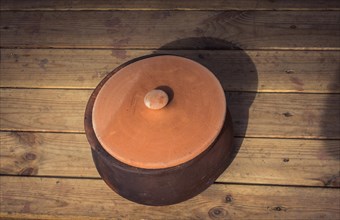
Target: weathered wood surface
x,y
70,198
291,50
154,29
169,5
43,110
254,115
261,71
259,161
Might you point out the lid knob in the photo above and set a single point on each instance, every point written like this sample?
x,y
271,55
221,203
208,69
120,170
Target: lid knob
x,y
156,99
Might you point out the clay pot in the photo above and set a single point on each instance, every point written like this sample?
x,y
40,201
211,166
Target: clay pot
x,y
159,129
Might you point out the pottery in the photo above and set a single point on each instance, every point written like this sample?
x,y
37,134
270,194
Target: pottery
x,y
159,129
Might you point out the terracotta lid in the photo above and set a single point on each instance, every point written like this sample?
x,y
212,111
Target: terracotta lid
x,y
190,112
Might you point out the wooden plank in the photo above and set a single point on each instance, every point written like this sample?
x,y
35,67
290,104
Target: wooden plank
x,y
285,162
261,71
254,115
168,5
46,154
155,29
258,161
67,198
44,110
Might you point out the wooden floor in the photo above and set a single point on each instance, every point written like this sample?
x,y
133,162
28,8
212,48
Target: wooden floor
x,y
278,61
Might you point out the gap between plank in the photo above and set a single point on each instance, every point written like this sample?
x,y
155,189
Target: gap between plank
x,y
152,48
236,136
172,9
170,49
229,91
216,183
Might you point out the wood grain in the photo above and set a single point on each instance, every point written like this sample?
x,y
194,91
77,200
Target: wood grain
x,y
45,110
259,161
168,5
46,154
67,198
301,116
282,42
154,29
251,71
